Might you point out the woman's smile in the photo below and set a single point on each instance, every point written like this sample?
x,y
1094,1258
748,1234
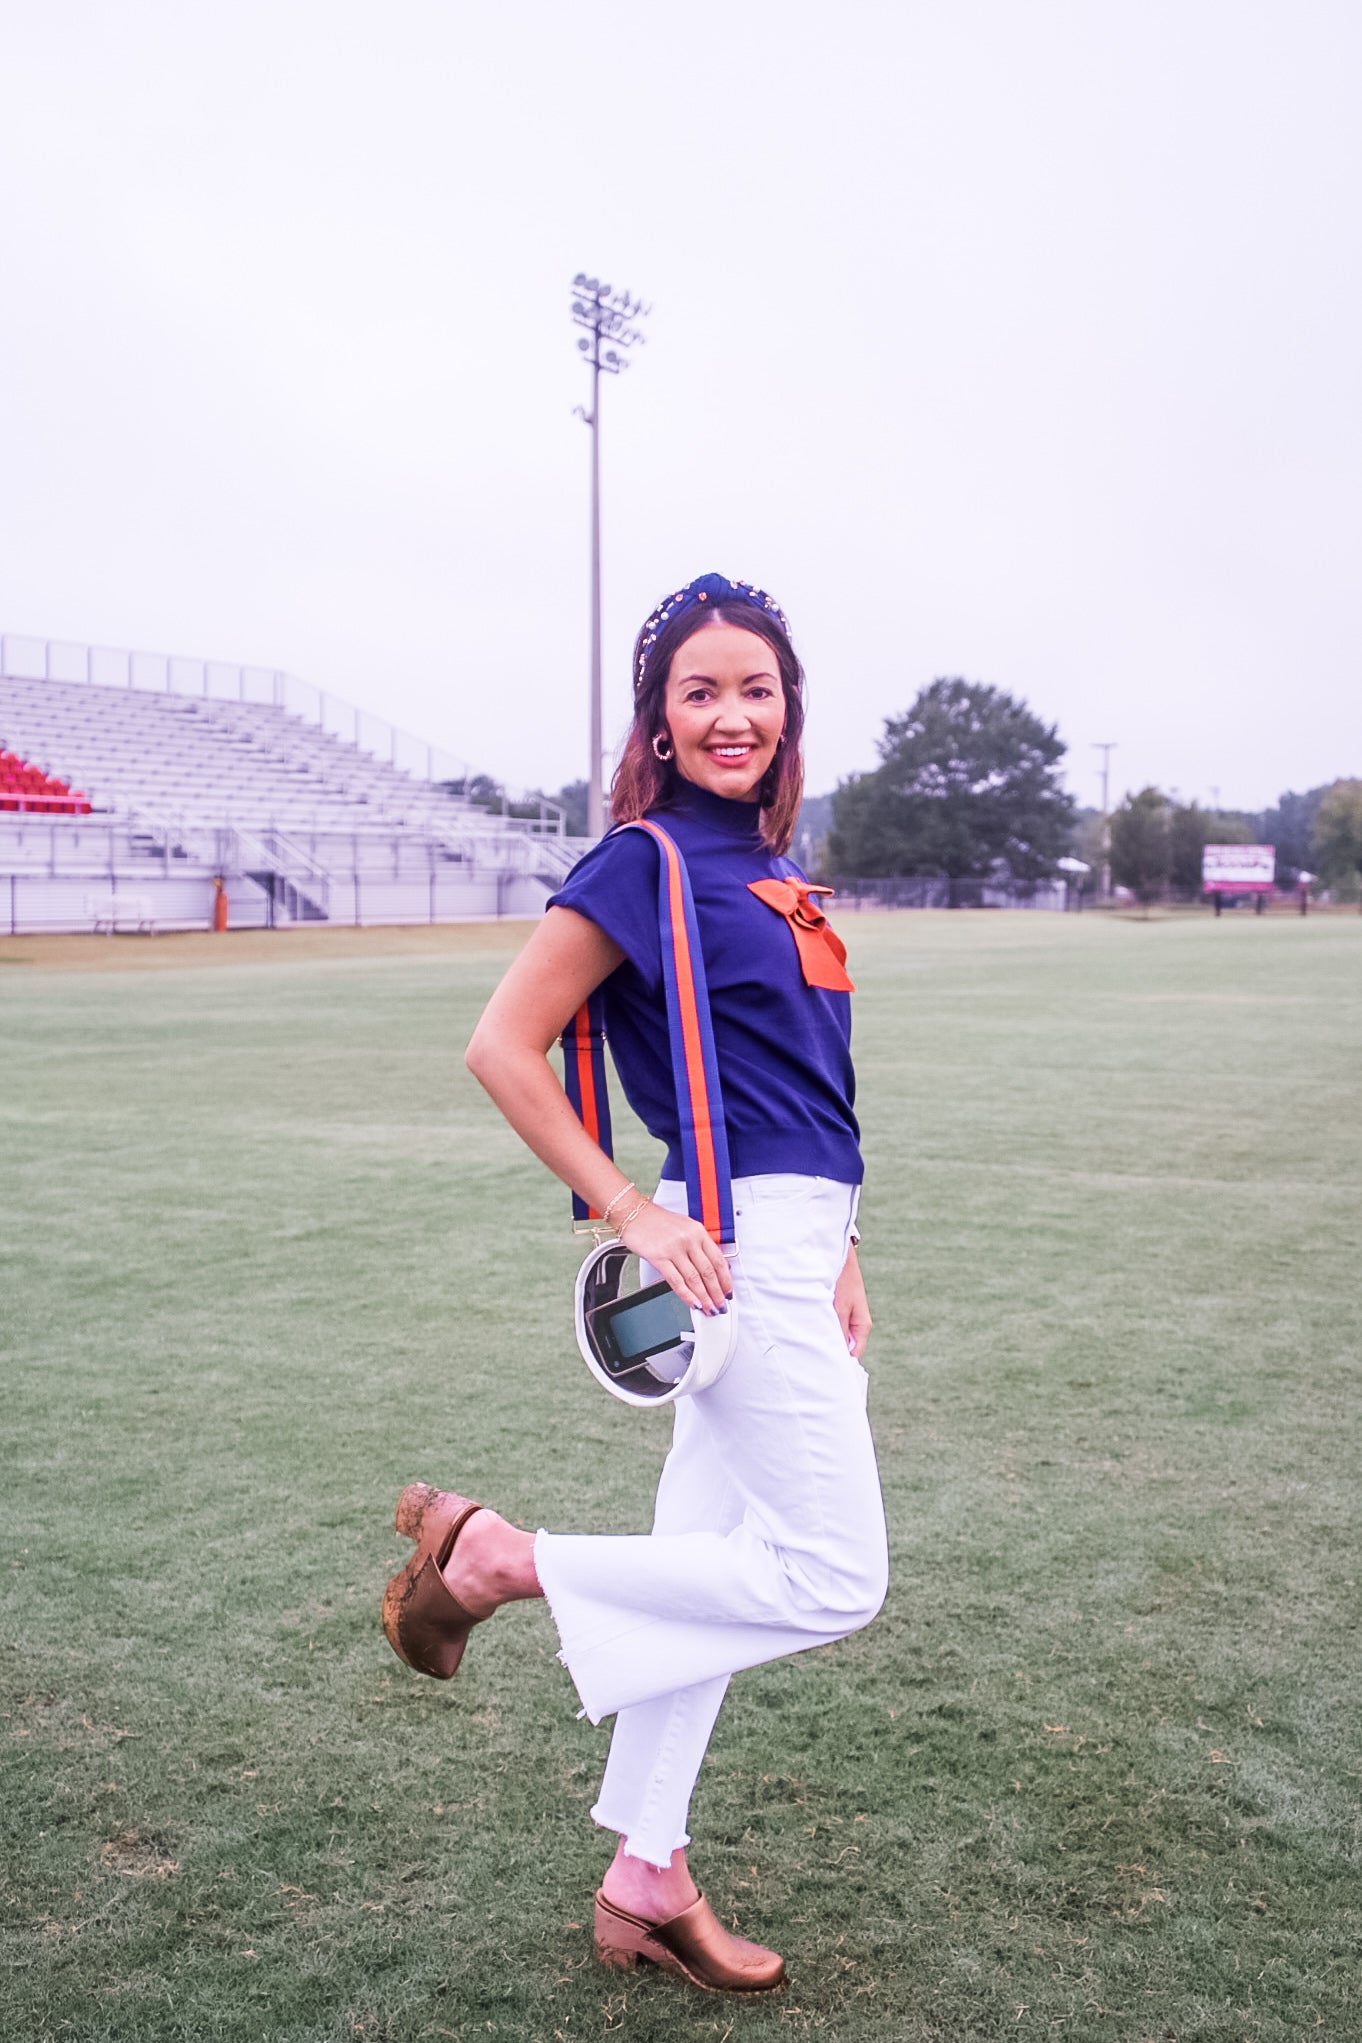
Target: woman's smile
x,y
730,755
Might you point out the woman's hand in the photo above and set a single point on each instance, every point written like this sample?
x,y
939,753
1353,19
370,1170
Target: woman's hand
x,y
682,1252
852,1308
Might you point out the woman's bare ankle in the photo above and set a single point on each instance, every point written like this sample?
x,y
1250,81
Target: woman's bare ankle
x,y
492,1563
657,1893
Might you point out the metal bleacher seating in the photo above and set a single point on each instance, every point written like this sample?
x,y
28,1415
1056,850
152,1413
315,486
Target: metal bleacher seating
x,y
300,821
204,762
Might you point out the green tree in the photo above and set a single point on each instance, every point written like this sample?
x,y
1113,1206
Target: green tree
x,y
1089,842
479,790
811,834
1142,844
1190,830
1290,826
1336,843
571,799
968,777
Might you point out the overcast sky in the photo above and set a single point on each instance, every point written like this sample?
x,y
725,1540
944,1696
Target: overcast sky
x,y
1015,339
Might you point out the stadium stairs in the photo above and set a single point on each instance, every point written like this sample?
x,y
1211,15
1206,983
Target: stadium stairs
x,y
124,805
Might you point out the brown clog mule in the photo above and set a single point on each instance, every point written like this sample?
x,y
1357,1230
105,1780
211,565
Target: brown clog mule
x,y
694,1944
423,1623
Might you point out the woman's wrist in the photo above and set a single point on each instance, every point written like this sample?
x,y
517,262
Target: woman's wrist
x,y
619,1197
630,1213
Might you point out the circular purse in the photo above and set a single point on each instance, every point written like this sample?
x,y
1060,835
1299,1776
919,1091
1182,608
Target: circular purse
x,y
645,1345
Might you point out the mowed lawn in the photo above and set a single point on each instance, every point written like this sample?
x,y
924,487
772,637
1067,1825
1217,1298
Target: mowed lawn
x,y
267,1254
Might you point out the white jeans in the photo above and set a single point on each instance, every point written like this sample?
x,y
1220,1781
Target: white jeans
x,y
769,1529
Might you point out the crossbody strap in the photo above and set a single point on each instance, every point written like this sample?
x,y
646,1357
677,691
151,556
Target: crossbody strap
x,y
584,1082
695,1065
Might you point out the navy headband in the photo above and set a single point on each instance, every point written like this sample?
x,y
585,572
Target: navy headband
x,y
705,589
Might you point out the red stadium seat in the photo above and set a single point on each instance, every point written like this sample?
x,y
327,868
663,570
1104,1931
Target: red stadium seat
x,y
25,787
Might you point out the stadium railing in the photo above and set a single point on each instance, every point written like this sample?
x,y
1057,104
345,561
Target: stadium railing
x,y
929,891
37,659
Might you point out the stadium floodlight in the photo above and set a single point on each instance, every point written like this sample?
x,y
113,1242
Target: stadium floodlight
x,y
609,317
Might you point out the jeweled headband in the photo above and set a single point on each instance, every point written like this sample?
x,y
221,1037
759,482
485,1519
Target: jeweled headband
x,y
706,589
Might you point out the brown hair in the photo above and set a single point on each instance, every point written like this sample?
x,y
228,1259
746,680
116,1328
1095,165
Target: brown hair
x,y
643,781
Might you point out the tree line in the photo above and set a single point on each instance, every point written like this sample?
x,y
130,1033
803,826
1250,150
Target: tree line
x,y
968,787
1156,842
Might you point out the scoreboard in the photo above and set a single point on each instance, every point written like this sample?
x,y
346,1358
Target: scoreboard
x,y
1238,868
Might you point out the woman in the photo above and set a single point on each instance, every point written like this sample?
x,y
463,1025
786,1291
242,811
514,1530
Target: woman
x,y
769,1531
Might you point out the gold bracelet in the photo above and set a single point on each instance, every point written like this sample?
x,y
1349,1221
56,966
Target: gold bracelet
x,y
620,1194
631,1215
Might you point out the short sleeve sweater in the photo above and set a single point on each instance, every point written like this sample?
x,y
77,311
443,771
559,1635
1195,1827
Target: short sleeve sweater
x,y
783,1047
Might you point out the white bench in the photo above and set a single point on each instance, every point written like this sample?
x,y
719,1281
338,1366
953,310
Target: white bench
x,y
113,911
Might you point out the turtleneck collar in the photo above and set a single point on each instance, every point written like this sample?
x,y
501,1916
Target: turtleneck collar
x,y
741,820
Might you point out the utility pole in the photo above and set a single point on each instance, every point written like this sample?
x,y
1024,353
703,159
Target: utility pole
x,y
606,314
1106,748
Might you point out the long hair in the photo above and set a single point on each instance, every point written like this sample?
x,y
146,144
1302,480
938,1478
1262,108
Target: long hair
x,y
643,781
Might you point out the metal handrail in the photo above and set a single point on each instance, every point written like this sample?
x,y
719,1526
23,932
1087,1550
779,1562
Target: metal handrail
x,y
304,876
295,857
14,803
558,855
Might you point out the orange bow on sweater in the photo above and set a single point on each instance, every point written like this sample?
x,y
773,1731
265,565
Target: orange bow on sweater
x,y
822,954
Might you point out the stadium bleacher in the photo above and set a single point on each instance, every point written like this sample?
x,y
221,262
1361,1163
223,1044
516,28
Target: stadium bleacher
x,y
204,762
159,792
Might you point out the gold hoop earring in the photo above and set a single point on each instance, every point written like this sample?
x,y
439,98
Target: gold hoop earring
x,y
661,738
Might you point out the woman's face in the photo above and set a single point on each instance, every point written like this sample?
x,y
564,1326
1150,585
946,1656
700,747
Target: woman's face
x,y
725,709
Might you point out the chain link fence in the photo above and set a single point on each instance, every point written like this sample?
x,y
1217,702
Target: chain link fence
x,y
928,892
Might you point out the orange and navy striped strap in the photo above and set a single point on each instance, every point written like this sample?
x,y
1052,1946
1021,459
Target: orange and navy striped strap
x,y
695,1065
584,1082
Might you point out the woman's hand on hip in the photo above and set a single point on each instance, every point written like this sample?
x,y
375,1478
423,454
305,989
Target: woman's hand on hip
x,y
682,1252
853,1310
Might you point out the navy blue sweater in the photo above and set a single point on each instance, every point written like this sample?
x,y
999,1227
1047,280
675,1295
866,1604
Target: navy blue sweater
x,y
783,1047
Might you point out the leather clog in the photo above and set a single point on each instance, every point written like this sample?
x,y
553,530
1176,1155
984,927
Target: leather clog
x,y
424,1624
694,1944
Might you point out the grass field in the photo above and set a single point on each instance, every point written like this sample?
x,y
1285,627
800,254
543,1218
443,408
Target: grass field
x,y
1093,1775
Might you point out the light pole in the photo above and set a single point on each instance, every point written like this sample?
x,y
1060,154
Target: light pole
x,y
606,314
1106,749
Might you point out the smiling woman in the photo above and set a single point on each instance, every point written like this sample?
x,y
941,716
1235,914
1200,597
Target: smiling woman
x,y
718,702
768,1536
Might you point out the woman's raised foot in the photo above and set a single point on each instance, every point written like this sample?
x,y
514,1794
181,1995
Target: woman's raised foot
x,y
424,1624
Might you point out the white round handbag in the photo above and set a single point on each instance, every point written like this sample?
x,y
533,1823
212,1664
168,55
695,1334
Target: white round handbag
x,y
647,1346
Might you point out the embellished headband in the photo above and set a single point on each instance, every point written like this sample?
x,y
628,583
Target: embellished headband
x,y
705,589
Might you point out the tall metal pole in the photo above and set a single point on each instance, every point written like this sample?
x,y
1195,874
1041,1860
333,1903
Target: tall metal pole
x,y
595,791
606,312
1106,749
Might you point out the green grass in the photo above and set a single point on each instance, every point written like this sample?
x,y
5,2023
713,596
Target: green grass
x,y
1095,1772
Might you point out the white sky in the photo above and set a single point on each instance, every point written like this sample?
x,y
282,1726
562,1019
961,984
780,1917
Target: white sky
x,y
1017,339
